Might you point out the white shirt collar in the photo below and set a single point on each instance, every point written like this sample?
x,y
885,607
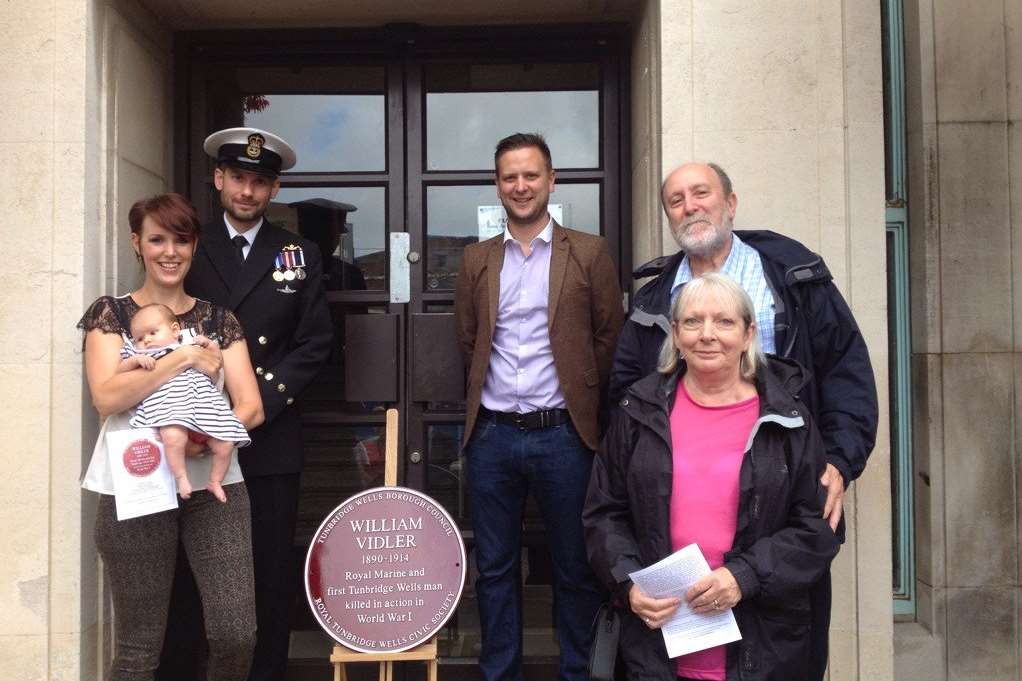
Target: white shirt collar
x,y
249,234
546,235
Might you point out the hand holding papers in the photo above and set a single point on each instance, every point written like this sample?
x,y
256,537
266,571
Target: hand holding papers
x,y
686,632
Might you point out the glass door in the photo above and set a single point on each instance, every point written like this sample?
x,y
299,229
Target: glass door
x,y
395,138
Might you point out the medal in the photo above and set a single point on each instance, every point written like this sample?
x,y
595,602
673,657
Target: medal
x,y
278,264
299,260
292,260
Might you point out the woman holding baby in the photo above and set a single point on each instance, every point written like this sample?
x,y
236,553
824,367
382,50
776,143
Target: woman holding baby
x,y
140,553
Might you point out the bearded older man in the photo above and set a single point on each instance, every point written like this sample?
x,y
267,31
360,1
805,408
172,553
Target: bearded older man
x,y
800,315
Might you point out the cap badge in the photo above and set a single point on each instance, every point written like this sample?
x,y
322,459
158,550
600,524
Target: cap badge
x,y
255,145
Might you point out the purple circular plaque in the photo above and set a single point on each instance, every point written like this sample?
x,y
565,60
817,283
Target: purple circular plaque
x,y
385,570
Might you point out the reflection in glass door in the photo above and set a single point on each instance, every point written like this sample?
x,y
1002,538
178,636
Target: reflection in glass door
x,y
403,142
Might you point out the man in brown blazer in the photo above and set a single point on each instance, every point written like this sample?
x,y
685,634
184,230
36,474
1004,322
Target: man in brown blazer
x,y
538,310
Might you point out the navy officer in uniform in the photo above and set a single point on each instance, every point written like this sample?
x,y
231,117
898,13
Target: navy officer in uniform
x,y
273,281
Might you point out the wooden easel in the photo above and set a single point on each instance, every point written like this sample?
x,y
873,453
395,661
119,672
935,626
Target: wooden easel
x,y
423,653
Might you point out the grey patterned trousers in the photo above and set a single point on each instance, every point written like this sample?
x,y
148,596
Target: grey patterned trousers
x,y
140,554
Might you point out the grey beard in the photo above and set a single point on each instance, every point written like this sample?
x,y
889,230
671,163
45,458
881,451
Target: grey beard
x,y
705,247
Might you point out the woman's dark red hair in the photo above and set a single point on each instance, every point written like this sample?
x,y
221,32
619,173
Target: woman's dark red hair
x,y
171,211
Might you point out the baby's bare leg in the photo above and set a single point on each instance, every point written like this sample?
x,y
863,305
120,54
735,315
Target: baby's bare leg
x,y
221,461
174,440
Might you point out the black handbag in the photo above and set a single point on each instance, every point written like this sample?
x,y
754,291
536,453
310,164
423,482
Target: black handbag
x,y
603,653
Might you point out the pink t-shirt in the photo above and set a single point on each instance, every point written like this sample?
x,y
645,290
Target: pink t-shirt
x,y
708,445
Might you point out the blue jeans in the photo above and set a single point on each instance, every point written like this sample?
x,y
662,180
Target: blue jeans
x,y
504,464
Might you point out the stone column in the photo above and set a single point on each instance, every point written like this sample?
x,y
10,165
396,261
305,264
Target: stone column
x,y
74,151
43,141
964,102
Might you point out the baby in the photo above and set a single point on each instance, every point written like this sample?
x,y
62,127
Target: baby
x,y
187,402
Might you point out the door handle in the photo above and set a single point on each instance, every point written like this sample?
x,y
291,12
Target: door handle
x,y
400,267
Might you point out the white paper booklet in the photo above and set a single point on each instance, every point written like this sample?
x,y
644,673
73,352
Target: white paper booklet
x,y
143,483
686,632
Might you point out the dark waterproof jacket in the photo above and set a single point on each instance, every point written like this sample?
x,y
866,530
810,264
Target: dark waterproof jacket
x,y
812,324
782,545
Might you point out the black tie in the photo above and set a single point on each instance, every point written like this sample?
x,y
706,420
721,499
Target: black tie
x,y
239,245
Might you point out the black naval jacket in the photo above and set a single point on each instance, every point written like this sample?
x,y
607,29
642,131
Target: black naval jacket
x,y
812,324
287,328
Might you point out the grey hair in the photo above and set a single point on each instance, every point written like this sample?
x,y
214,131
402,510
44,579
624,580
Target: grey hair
x,y
725,181
731,294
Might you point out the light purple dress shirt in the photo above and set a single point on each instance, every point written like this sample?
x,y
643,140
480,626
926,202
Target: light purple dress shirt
x,y
522,376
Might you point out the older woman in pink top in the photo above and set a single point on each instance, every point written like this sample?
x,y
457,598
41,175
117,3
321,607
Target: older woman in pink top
x,y
714,449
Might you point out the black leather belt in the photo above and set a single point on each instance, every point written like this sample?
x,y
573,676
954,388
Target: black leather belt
x,y
530,421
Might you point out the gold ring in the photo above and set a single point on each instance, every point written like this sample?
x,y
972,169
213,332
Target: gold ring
x,y
716,604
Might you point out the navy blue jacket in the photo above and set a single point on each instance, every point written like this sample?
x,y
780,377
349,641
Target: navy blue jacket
x,y
782,544
287,329
812,325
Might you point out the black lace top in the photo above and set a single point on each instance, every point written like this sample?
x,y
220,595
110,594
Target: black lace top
x,y
113,315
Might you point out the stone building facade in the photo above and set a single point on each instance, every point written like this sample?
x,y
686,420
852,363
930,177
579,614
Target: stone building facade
x,y
787,95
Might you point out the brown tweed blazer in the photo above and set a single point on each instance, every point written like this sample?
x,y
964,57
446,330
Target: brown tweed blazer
x,y
585,312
